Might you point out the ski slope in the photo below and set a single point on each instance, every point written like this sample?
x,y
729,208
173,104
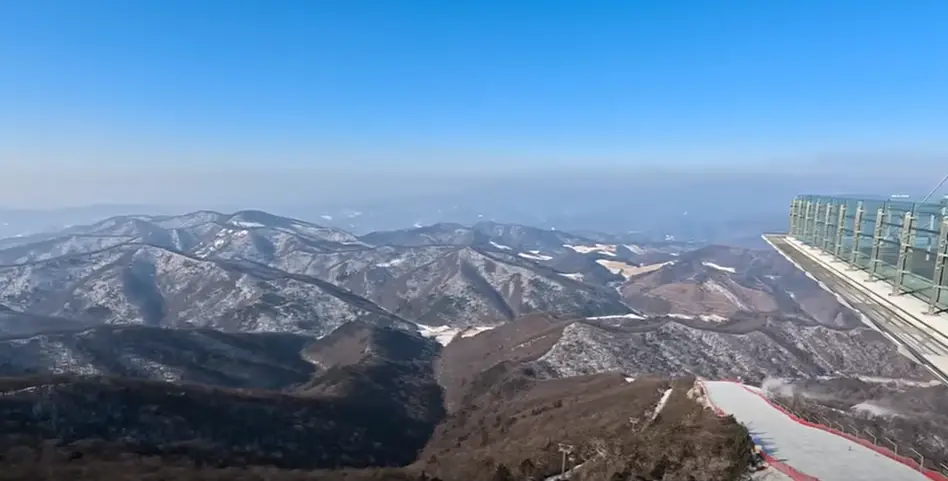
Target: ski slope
x,y
811,451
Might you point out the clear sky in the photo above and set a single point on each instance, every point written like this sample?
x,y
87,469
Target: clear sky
x,y
106,89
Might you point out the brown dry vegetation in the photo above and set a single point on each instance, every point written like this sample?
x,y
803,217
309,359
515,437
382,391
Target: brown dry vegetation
x,y
465,359
517,424
374,402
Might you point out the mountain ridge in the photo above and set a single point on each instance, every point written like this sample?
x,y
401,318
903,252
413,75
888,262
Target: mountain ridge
x,y
247,272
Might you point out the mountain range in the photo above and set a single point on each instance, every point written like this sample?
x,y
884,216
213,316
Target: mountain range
x,y
665,307
462,351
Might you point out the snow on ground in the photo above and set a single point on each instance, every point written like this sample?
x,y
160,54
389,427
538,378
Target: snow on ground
x,y
607,249
247,225
703,317
326,217
900,382
223,237
576,276
719,267
473,331
443,334
635,249
500,246
618,267
393,262
813,451
630,379
615,316
536,257
629,270
661,404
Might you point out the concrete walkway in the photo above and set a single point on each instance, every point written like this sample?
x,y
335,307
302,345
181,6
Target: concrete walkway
x,y
809,450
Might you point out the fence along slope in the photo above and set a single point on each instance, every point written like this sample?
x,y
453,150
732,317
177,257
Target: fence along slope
x,y
820,454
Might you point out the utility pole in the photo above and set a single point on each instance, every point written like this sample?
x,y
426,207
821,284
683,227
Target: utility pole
x,y
564,449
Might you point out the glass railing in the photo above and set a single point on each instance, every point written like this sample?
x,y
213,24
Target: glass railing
x,y
895,240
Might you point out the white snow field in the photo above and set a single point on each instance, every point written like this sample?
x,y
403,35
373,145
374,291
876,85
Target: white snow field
x,y
809,450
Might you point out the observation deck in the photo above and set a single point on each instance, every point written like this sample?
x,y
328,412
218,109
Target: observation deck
x,y
885,257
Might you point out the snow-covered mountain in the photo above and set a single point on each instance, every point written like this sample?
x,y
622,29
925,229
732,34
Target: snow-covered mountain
x,y
753,348
260,361
639,308
720,282
144,284
256,272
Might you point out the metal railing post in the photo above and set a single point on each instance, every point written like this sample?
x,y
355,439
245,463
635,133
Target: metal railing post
x,y
895,447
921,459
857,235
906,244
876,243
824,243
793,217
938,280
840,230
817,228
807,228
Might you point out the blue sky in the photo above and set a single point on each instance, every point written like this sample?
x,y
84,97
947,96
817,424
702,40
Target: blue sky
x,y
460,86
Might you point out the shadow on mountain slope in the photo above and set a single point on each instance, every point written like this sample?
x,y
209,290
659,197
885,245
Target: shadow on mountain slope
x,y
378,411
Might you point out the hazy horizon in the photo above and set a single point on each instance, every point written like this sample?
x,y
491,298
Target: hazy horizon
x,y
332,103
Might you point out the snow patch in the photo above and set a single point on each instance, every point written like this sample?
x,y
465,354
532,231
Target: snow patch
x,y
615,316
473,331
443,334
500,246
719,267
576,276
326,217
898,381
629,270
248,225
606,249
391,263
661,404
635,249
536,257
702,317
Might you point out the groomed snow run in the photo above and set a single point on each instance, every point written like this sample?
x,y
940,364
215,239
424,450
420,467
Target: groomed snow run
x,y
812,451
